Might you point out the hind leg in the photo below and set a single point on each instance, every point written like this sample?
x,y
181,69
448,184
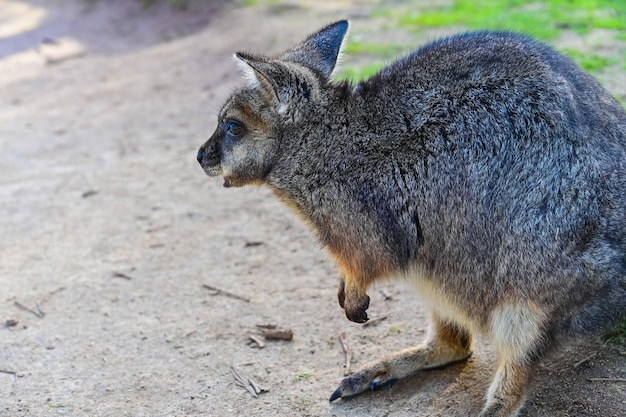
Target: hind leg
x,y
447,344
506,394
516,329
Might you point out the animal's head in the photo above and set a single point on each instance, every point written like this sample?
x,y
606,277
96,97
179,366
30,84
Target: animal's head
x,y
279,94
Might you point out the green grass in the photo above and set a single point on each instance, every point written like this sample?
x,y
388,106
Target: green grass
x,y
545,20
590,62
617,333
303,376
356,73
397,327
381,52
375,49
541,19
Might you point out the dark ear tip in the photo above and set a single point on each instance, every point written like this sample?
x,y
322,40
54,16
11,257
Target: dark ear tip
x,y
342,25
244,56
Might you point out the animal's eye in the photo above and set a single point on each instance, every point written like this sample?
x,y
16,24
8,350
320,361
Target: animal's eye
x,y
233,128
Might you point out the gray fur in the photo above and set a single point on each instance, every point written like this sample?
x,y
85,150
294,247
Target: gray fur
x,y
485,165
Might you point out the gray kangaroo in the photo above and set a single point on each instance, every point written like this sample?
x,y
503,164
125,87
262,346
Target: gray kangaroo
x,y
485,168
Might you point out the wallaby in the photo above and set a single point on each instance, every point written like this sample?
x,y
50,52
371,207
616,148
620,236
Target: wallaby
x,y
486,168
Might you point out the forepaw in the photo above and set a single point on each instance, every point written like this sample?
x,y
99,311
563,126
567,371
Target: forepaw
x,y
360,382
354,304
356,309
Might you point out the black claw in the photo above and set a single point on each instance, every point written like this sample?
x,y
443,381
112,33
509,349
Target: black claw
x,y
341,293
336,394
366,302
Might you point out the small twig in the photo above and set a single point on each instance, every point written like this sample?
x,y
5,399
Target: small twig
x,y
588,358
53,292
273,332
217,291
607,379
277,334
259,342
375,321
37,313
120,275
4,371
253,244
10,323
266,326
246,382
348,353
255,386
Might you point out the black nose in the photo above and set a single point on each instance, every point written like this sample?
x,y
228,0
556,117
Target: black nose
x,y
200,155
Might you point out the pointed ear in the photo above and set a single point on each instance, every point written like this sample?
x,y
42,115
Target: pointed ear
x,y
256,72
261,74
320,51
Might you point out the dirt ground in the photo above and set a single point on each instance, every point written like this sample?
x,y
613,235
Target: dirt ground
x,y
110,234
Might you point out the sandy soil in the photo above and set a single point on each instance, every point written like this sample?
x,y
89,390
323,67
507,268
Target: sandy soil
x,y
109,232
